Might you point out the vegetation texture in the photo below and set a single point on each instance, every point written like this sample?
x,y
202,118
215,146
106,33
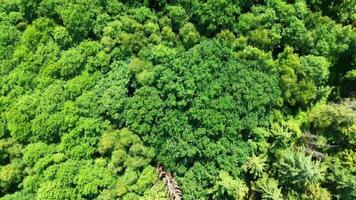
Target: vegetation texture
x,y
234,99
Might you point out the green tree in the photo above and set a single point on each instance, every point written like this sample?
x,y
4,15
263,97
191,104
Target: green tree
x,y
229,188
295,169
194,91
268,188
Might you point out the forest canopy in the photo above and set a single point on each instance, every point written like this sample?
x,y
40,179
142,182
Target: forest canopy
x,y
179,99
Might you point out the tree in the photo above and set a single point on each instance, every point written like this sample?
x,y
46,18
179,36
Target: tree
x,y
302,79
189,34
79,18
8,39
268,187
336,122
206,16
298,170
194,90
316,192
229,188
255,165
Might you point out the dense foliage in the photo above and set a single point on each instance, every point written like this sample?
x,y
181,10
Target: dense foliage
x,y
237,99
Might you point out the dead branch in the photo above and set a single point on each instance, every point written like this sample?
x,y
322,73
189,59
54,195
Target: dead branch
x,y
172,187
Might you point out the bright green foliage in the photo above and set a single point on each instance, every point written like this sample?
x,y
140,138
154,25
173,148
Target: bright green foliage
x,y
78,18
156,192
11,168
36,33
10,175
336,122
109,95
342,174
131,160
297,169
124,163
189,34
228,188
18,196
255,165
61,37
316,192
302,79
214,15
126,150
178,16
268,188
223,94
8,38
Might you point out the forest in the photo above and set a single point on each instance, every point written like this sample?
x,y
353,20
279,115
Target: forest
x,y
177,99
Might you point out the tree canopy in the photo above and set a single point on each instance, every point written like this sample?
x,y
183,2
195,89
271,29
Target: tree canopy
x,y
233,99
